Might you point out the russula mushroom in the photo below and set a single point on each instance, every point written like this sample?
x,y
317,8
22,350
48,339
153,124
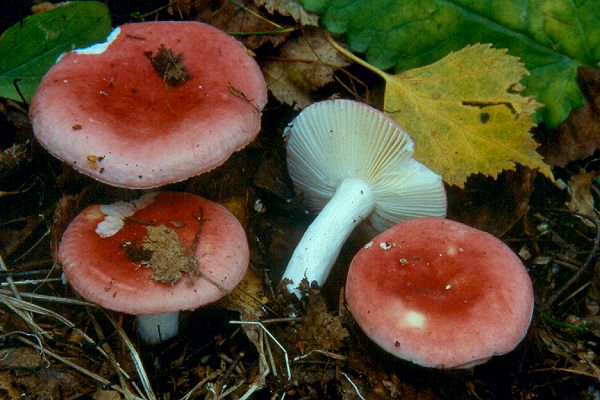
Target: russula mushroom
x,y
154,257
351,163
157,103
440,293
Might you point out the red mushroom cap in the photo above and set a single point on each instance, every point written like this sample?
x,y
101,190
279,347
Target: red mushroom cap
x,y
101,271
440,293
111,115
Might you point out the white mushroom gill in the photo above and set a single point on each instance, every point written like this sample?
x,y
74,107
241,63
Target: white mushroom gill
x,y
352,163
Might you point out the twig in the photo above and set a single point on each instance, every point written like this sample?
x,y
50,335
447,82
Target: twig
x,y
353,385
570,370
256,384
323,352
34,308
200,384
287,361
139,365
229,371
255,14
569,297
230,390
53,299
34,245
282,319
71,364
9,279
4,273
586,265
263,364
123,376
201,220
26,317
271,359
40,262
194,248
14,284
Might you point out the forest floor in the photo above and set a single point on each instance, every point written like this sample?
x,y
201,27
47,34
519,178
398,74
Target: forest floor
x,y
260,342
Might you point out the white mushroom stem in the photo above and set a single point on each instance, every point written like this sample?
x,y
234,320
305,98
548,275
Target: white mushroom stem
x,y
318,249
157,328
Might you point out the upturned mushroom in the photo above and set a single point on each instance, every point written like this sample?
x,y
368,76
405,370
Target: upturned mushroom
x,y
154,257
440,294
352,163
157,103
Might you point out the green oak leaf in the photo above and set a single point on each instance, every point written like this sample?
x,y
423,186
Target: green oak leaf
x,y
30,47
551,37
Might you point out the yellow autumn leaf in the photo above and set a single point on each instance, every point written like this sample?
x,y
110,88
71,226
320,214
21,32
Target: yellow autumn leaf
x,y
465,113
248,298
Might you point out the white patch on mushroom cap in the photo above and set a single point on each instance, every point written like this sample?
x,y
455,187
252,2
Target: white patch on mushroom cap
x,y
145,200
117,212
413,319
385,246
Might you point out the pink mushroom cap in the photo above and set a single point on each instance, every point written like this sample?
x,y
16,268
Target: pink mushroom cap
x,y
108,113
440,293
99,270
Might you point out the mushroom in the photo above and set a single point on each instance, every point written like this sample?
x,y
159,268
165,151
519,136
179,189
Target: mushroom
x,y
157,103
351,163
440,293
154,257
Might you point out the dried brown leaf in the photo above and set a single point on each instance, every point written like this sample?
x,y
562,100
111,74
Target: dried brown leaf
x,y
593,325
580,188
102,394
579,136
14,233
67,207
168,257
320,329
230,17
289,8
46,6
21,357
492,205
7,390
238,206
305,64
248,298
179,7
271,175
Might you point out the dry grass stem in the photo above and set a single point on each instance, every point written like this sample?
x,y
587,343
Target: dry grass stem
x,y
24,316
33,308
257,383
200,384
270,357
84,371
9,280
139,365
589,262
287,361
323,352
14,284
124,377
353,385
52,299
